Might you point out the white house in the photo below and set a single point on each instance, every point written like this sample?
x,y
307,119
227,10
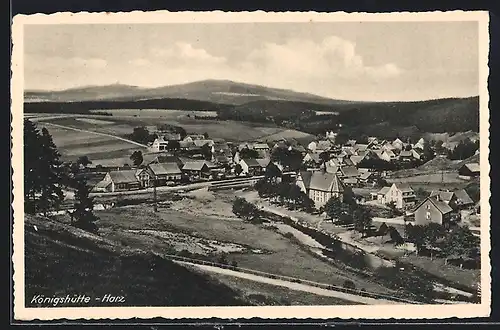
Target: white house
x,y
401,194
398,144
159,144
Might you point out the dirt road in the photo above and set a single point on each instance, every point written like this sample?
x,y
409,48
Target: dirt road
x,y
292,285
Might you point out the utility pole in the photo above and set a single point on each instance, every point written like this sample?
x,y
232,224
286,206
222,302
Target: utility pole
x,y
154,194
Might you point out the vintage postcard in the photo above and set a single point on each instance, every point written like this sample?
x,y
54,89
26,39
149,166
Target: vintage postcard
x,y
251,165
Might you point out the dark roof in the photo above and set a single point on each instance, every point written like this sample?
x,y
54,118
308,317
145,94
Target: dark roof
x,y
463,197
404,187
348,162
201,143
441,206
325,182
445,196
168,159
299,148
194,165
384,190
263,162
351,180
222,159
356,159
406,153
124,176
473,167
349,171
165,168
306,178
365,175
251,162
361,146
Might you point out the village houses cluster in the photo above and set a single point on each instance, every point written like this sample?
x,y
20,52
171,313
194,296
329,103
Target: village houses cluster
x,y
326,168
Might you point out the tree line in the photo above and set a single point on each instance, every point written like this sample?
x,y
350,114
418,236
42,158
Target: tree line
x,y
46,177
456,242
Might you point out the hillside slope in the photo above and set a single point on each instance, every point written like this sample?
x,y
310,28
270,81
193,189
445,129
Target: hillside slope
x,y
61,260
217,91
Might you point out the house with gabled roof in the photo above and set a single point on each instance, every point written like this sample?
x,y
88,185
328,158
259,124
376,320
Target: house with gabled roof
x,y
120,180
349,172
312,158
252,166
165,173
462,199
356,159
457,200
432,210
387,155
401,194
360,147
320,186
202,142
196,169
470,170
365,177
312,146
323,145
443,195
398,144
405,155
261,147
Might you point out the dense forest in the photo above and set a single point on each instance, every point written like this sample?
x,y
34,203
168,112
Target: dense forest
x,y
383,119
85,106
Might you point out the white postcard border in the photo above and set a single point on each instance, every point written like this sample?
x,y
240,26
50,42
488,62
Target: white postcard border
x,y
286,312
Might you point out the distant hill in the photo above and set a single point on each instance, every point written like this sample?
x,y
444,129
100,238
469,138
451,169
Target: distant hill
x,y
94,266
215,91
244,102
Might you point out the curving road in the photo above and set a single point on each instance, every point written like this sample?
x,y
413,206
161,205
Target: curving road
x,y
292,285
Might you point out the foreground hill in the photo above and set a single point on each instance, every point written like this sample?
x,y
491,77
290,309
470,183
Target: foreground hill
x,y
436,165
61,260
215,91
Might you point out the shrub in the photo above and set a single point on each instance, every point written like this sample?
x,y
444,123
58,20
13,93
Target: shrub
x,y
348,284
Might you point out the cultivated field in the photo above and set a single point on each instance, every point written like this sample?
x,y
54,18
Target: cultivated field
x,y
228,130
445,180
100,149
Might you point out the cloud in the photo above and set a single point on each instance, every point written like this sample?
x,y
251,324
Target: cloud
x,y
186,53
140,62
332,57
94,63
63,63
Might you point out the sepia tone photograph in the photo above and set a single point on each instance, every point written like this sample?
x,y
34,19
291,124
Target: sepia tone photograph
x,y
215,160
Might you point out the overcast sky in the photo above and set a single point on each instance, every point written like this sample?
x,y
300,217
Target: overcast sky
x,y
345,60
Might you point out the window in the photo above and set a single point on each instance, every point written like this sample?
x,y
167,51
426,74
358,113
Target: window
x,y
428,206
428,215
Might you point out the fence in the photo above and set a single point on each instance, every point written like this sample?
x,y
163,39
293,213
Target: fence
x,y
331,287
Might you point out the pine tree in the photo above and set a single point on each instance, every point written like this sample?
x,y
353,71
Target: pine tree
x,y
137,158
32,148
43,171
84,206
51,174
